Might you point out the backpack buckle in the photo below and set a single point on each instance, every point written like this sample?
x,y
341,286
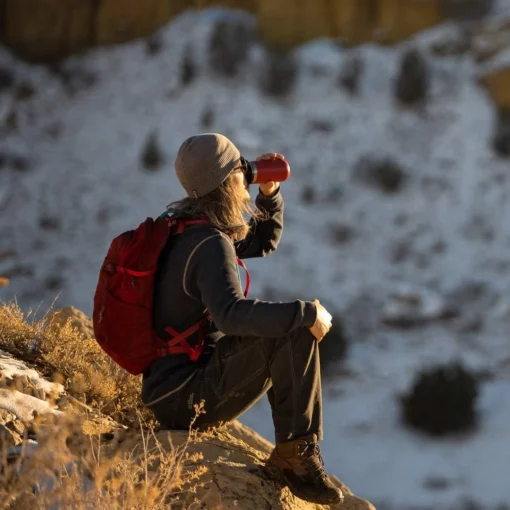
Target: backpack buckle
x,y
194,353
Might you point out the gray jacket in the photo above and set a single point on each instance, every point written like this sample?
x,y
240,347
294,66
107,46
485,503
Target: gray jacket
x,y
197,271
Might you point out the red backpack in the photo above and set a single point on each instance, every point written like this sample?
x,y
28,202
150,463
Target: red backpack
x,y
123,301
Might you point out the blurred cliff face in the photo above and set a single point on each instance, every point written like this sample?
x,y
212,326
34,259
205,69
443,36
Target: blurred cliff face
x,y
55,29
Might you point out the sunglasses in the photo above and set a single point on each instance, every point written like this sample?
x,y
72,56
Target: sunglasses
x,y
243,168
246,169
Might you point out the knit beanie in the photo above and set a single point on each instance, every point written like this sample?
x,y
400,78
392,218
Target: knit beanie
x,y
204,162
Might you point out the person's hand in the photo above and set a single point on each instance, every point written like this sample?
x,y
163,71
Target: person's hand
x,y
268,188
323,322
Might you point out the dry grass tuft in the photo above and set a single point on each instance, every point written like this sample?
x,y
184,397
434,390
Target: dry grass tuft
x,y
81,459
84,461
69,470
63,353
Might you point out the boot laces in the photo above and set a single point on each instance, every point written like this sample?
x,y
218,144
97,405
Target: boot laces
x,y
312,453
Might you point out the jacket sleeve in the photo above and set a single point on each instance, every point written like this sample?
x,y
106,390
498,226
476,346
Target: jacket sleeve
x,y
264,236
213,279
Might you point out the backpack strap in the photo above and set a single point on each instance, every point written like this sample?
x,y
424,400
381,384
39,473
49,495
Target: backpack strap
x,y
180,225
179,344
248,279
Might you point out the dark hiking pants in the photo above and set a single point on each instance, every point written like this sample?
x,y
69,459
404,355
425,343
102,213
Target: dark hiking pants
x,y
240,371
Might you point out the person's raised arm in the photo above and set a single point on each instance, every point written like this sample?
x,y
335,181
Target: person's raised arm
x,y
265,234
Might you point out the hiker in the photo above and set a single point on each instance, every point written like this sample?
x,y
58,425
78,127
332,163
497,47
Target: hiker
x,y
252,347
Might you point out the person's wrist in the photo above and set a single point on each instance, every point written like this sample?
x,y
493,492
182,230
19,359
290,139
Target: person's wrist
x,y
270,194
314,314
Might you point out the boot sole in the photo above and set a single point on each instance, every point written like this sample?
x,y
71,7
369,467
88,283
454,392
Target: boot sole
x,y
278,475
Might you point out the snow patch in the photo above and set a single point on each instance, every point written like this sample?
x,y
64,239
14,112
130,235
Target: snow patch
x,y
11,368
25,406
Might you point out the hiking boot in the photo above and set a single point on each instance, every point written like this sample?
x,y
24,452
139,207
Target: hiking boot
x,y
299,463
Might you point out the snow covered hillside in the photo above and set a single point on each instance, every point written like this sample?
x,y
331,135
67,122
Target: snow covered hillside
x,y
73,175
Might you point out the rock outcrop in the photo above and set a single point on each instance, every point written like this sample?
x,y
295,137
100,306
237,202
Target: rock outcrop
x,y
51,29
234,478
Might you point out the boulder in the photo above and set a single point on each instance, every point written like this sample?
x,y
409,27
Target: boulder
x,y
233,457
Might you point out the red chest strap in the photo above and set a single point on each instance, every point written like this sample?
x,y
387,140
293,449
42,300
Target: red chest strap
x,y
178,344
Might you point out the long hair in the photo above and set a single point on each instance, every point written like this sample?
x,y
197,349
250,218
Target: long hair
x,y
224,207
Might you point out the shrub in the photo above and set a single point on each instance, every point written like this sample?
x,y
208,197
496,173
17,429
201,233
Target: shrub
x,y
229,46
11,121
6,78
350,75
49,223
188,68
308,194
466,9
74,76
341,233
412,80
278,77
154,44
442,401
90,376
14,161
24,91
321,126
71,466
20,163
453,44
152,156
207,118
384,174
82,458
501,141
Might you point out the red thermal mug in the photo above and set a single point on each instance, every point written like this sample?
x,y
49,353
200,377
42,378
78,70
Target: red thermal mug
x,y
265,170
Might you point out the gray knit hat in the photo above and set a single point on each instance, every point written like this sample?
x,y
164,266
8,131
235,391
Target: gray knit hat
x,y
204,162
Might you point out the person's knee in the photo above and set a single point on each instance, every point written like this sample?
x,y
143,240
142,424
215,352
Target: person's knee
x,y
303,335
308,333
299,337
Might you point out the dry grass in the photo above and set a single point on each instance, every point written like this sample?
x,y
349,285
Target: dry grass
x,y
74,464
69,470
79,363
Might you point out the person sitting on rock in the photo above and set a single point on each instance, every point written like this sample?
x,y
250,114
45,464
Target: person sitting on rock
x,y
252,347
